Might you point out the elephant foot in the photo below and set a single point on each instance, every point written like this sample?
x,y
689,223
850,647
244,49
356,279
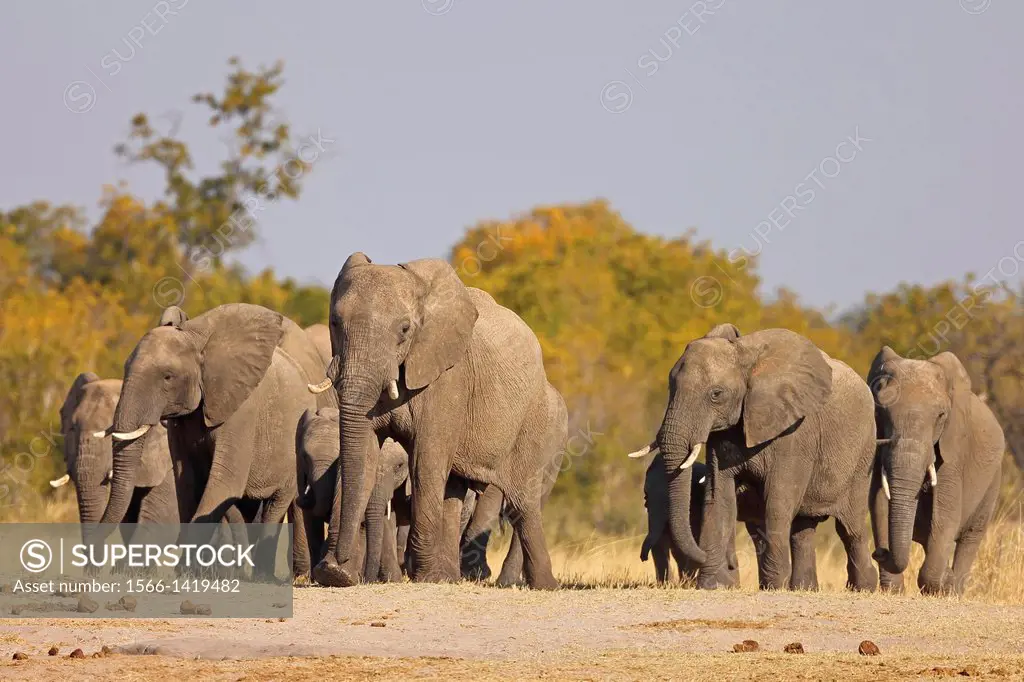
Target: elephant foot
x,y
431,577
330,574
544,583
707,582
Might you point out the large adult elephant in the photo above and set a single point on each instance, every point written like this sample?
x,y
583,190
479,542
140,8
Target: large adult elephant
x,y
749,511
89,409
938,470
231,385
455,378
776,413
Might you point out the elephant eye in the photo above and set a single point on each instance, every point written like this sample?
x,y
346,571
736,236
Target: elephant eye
x,y
716,394
167,377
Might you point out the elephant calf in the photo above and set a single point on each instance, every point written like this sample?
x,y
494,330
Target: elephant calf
x,y
317,447
938,469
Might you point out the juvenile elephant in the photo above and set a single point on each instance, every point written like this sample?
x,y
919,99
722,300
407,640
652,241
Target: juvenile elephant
x,y
778,414
455,378
317,442
749,511
230,385
89,408
938,469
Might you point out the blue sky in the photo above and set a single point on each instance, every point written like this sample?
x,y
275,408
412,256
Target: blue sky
x,y
709,115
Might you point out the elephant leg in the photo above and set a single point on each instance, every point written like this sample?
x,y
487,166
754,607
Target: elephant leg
x,y
945,527
390,569
454,496
478,534
801,547
512,568
160,503
402,541
777,559
970,540
758,538
315,537
860,572
660,551
729,576
526,520
300,545
226,482
719,508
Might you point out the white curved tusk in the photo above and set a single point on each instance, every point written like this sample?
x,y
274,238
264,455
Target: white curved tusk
x,y
110,475
644,451
933,475
393,389
60,481
321,387
308,488
694,454
702,479
389,509
132,435
100,434
885,485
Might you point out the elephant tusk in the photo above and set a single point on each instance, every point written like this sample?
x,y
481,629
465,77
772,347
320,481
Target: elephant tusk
x,y
308,488
933,476
885,485
60,481
131,435
694,454
702,479
100,434
321,387
644,451
389,509
393,389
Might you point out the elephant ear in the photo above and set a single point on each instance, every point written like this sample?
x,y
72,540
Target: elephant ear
x,y
726,331
955,437
789,379
156,459
240,342
446,318
173,316
74,397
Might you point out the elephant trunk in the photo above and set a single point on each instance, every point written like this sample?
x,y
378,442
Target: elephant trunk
x,y
91,469
135,410
356,463
906,469
676,451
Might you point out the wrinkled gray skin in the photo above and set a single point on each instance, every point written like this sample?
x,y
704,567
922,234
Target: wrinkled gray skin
x,y
231,385
316,445
778,415
749,511
88,408
926,414
456,379
490,505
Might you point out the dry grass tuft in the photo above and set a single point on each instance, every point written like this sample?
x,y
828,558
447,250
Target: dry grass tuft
x,y
716,624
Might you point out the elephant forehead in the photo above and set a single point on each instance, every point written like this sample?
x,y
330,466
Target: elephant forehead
x,y
97,406
917,375
709,356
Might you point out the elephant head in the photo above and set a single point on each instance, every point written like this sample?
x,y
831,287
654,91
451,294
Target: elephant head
x,y
207,366
316,448
923,414
87,411
766,382
394,330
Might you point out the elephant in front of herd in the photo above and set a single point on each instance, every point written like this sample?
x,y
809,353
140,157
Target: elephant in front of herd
x,y
436,418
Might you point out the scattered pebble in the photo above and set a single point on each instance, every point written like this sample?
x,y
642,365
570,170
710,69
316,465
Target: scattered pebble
x,y
129,603
97,655
377,624
281,620
86,605
868,648
746,646
77,653
279,605
794,648
20,656
106,650
54,650
15,610
188,608
204,610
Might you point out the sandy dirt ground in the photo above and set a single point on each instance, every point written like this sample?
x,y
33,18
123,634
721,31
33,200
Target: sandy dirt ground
x,y
445,631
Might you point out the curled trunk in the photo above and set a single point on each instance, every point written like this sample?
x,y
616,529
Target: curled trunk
x,y
376,510
90,471
676,445
907,469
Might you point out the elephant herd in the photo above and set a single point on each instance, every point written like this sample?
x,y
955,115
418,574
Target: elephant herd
x,y
398,435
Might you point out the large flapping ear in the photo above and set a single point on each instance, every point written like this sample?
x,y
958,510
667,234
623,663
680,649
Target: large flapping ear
x,y
726,331
74,397
240,343
789,379
173,316
955,437
156,459
446,318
